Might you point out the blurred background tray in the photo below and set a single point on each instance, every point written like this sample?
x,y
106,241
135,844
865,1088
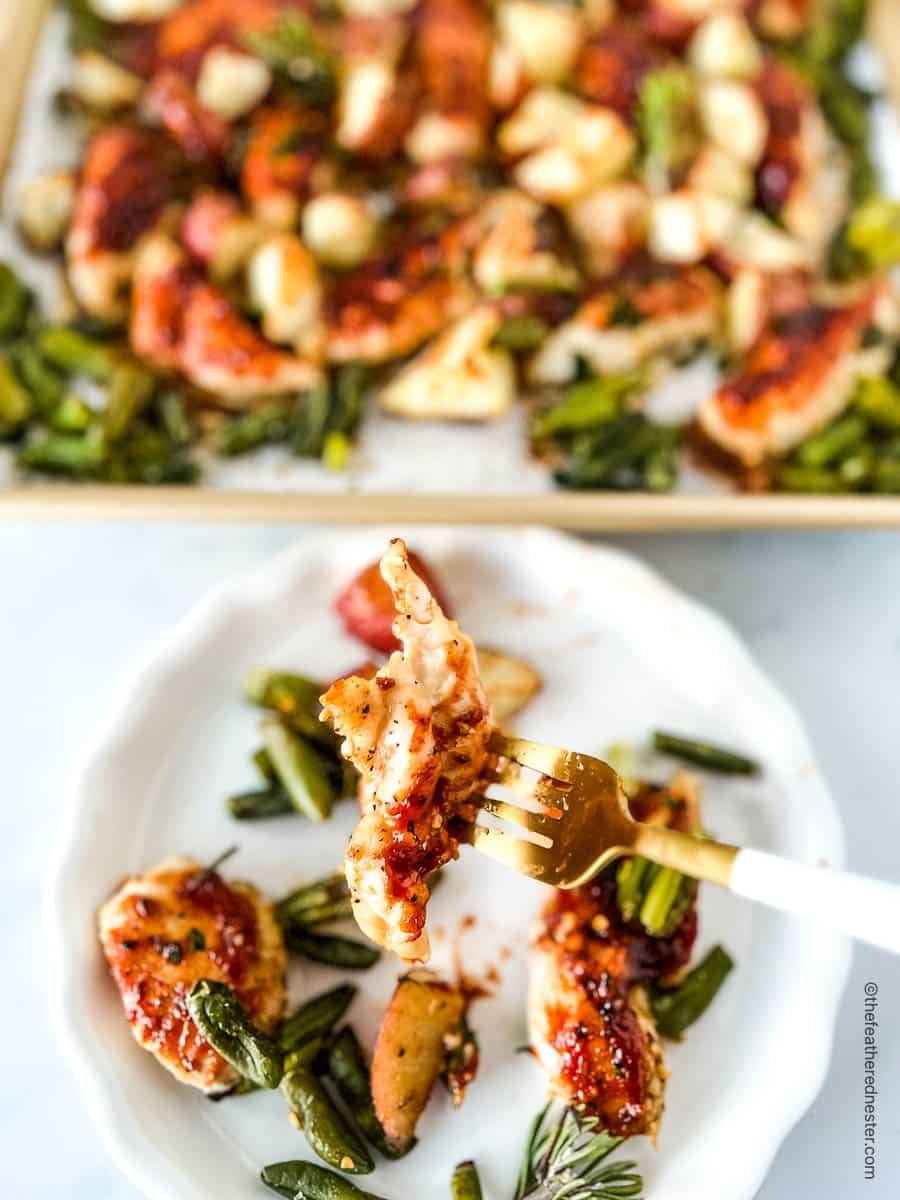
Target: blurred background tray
x,y
401,470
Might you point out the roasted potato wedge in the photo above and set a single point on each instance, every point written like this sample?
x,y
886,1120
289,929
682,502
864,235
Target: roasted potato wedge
x,y
411,1051
509,682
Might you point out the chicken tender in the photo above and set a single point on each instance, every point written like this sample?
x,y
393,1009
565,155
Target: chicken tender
x,y
798,376
589,1015
418,733
124,189
650,310
179,923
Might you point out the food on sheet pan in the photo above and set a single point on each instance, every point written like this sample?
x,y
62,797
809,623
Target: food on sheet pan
x,y
200,962
460,207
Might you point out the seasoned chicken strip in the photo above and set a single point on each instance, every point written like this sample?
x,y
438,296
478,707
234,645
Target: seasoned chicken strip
x,y
179,322
653,310
797,377
418,733
590,1020
124,189
164,931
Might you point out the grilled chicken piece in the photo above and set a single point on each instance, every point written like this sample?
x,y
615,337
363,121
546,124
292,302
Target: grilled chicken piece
x,y
452,54
172,103
164,931
646,312
196,27
802,178
388,307
418,733
612,66
377,90
161,289
284,147
223,354
124,191
589,1016
798,376
180,322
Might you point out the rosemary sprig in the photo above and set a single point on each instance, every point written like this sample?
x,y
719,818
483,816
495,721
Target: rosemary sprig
x,y
565,1159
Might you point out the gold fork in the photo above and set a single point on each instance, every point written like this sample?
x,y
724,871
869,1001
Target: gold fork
x,y
580,823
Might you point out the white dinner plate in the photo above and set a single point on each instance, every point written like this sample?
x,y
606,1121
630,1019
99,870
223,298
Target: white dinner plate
x,y
621,653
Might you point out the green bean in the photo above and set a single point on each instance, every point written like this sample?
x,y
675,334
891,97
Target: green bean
x,y
71,415
329,1135
262,762
300,769
873,232
705,754
814,480
666,118
246,432
584,405
879,402
465,1184
298,59
660,471
45,385
520,334
678,1009
66,453
169,468
305,1054
349,1072
222,1021
316,1017
295,907
15,402
333,951
307,1181
631,881
309,423
628,442
832,442
76,354
886,478
98,329
856,468
347,397
336,450
174,418
130,390
15,303
255,806
282,691
666,901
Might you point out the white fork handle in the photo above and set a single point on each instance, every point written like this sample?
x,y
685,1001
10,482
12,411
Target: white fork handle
x,y
867,909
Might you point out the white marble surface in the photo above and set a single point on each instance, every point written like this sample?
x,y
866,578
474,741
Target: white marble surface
x,y
80,602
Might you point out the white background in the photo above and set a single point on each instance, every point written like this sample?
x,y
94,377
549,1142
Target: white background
x,y
78,604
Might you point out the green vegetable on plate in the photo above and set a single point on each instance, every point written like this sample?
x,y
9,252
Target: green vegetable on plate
x,y
222,1021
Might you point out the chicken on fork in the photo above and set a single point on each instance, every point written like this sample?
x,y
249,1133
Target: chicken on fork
x,y
418,732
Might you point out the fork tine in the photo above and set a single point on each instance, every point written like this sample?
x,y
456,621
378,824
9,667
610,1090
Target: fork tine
x,y
522,856
546,791
549,760
534,822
